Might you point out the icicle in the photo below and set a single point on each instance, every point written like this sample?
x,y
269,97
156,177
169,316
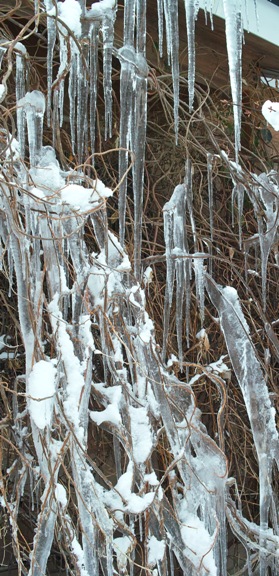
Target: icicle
x,y
20,92
129,23
180,265
168,234
234,38
190,10
270,204
11,271
174,232
171,17
55,117
160,26
109,554
108,36
199,277
72,91
240,189
210,193
51,39
127,75
141,26
93,75
34,108
210,204
3,50
265,203
82,98
138,138
189,199
188,298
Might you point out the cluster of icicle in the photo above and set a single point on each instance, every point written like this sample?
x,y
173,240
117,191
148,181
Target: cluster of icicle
x,y
78,29
91,307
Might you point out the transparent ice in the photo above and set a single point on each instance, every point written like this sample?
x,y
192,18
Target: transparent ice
x,y
92,305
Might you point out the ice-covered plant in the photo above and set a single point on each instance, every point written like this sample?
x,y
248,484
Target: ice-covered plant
x,y
94,373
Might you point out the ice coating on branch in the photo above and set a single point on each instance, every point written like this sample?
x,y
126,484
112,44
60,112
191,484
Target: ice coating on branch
x,y
234,38
265,199
255,393
74,276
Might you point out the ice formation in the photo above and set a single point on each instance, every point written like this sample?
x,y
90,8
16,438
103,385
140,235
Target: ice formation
x,y
92,306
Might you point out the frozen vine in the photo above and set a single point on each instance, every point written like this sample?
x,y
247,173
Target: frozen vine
x,y
91,355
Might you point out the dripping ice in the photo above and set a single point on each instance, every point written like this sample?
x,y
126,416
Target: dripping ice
x,y
140,397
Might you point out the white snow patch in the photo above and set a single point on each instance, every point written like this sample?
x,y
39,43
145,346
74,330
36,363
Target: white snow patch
x,y
141,434
110,414
156,551
81,198
151,479
47,178
270,111
148,276
122,546
198,544
99,8
138,504
70,12
78,552
2,91
135,504
61,495
146,331
41,388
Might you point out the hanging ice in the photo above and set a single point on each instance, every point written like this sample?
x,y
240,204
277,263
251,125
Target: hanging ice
x,y
129,23
108,20
174,231
138,137
190,9
51,38
33,105
127,77
160,25
234,37
265,201
255,393
20,92
93,71
172,32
